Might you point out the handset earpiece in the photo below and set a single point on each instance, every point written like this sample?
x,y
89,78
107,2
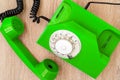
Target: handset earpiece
x,y
11,29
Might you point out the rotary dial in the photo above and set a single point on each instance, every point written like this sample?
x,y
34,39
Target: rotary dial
x,y
65,44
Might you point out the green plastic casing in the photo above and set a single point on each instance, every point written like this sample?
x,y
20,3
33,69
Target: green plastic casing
x,y
98,38
11,29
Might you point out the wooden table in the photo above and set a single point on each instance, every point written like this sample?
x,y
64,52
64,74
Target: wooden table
x,y
12,68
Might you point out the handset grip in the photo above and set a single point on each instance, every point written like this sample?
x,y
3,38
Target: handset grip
x,y
11,29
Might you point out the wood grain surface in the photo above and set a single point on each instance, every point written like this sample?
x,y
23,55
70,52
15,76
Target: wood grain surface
x,y
12,68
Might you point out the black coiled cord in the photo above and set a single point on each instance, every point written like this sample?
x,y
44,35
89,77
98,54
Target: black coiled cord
x,y
34,10
13,12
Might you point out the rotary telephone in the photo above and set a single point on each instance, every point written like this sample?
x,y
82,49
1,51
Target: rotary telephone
x,y
73,34
80,38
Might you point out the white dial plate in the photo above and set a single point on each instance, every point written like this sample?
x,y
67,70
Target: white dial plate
x,y
65,44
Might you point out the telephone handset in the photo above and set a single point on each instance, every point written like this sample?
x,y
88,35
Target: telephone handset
x,y
80,38
11,29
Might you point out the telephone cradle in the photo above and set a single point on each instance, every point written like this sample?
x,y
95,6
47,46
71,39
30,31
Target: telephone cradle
x,y
80,38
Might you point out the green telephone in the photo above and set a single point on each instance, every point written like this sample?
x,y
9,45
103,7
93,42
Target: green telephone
x,y
80,38
11,29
